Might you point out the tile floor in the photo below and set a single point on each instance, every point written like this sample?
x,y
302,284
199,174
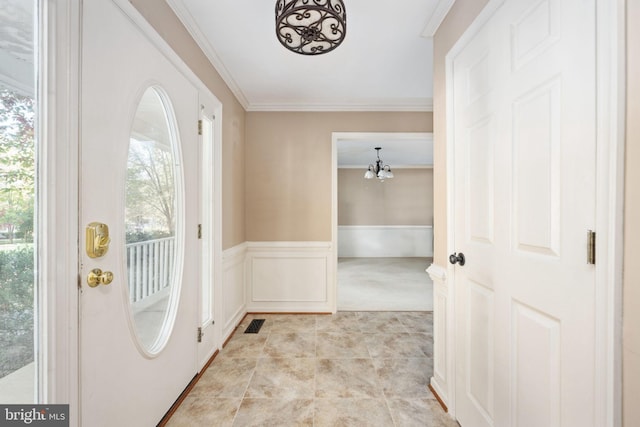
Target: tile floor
x,y
349,369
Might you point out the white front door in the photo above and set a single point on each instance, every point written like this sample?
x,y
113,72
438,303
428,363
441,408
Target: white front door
x,y
139,177
524,136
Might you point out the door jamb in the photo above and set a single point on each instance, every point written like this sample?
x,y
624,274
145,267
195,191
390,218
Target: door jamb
x,y
214,232
610,128
58,90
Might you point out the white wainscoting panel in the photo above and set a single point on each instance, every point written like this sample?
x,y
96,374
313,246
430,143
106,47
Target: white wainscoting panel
x,y
290,277
233,290
442,380
385,241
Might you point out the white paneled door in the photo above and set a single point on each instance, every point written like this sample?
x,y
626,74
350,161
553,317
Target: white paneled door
x,y
139,307
524,98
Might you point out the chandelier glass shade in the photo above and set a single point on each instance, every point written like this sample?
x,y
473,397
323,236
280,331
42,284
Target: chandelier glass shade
x,y
379,170
310,27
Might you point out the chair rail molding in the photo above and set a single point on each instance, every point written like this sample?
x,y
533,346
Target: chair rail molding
x,y
437,273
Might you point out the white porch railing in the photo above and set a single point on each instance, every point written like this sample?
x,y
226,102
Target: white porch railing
x,y
149,265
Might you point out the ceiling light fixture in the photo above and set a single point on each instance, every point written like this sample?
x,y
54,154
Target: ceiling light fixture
x,y
380,170
310,27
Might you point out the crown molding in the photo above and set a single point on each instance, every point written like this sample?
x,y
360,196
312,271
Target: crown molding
x,y
189,23
439,13
398,105
422,105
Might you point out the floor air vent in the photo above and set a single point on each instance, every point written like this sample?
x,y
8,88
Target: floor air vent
x,y
254,326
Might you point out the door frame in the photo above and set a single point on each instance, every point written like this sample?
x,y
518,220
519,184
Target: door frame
x,y
58,91
336,137
213,233
610,104
59,38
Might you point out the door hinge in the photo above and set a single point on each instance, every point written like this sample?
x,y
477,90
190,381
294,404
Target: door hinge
x,y
200,334
591,247
199,127
199,231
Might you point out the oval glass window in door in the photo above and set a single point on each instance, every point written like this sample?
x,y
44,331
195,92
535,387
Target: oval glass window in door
x,y
152,221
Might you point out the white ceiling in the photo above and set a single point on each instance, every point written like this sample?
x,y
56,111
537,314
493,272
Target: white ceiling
x,y
397,150
378,67
384,64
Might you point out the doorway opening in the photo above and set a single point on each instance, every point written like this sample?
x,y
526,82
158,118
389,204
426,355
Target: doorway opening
x,y
383,227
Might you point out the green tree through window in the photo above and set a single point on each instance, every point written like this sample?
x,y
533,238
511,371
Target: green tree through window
x,y
17,190
17,170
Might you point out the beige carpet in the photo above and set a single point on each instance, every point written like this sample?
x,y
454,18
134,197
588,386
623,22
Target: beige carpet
x,y
384,284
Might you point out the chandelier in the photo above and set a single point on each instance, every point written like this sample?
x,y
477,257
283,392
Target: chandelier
x,y
379,170
310,27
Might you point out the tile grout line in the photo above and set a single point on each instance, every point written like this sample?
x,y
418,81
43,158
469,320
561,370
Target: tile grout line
x,y
315,372
384,395
255,368
360,330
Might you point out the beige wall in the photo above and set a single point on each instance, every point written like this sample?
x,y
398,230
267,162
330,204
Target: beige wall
x,y
287,201
165,22
407,199
631,289
457,21
288,168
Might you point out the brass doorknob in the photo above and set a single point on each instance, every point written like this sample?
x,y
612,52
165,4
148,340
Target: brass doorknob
x,y
97,277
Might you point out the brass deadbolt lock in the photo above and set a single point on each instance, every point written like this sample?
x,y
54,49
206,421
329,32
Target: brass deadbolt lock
x,y
97,239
